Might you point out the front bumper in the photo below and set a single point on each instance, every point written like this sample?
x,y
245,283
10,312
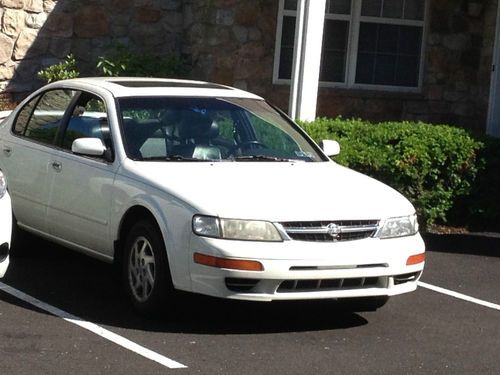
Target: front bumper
x,y
300,270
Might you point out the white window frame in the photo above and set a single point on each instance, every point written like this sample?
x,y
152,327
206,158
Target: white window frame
x,y
355,20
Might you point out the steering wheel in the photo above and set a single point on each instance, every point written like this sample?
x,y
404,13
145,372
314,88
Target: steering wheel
x,y
245,144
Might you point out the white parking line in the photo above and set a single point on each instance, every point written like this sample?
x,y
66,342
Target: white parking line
x,y
459,295
94,328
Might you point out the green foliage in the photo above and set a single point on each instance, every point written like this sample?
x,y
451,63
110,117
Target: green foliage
x,y
480,210
273,137
64,70
432,165
125,63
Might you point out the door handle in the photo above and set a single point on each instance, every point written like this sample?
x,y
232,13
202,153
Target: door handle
x,y
7,150
57,166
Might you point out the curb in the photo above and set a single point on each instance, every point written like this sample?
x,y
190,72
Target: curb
x,y
487,244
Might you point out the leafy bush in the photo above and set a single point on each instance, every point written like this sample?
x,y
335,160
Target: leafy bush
x,y
123,62
431,165
480,210
63,70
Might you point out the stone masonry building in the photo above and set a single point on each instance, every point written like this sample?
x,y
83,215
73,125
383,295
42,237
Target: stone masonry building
x,y
428,60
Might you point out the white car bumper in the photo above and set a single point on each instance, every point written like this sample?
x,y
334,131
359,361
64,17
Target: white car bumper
x,y
299,270
5,232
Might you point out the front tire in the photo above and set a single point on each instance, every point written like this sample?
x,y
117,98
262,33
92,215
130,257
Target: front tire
x,y
146,274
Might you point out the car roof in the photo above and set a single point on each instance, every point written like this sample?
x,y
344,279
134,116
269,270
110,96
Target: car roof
x,y
134,86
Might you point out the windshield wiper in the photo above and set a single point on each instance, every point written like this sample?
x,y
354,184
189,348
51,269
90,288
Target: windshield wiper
x,y
172,158
258,158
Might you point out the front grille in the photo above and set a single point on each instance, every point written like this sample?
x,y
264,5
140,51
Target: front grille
x,y
330,231
329,284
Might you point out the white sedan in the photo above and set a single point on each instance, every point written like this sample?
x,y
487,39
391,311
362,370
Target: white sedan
x,y
203,188
5,225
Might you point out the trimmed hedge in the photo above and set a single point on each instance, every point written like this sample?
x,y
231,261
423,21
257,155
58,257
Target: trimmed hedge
x,y
480,210
432,165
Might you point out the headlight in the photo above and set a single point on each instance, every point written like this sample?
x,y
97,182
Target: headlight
x,y
3,185
399,227
231,229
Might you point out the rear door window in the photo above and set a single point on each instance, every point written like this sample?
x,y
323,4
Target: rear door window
x,y
40,118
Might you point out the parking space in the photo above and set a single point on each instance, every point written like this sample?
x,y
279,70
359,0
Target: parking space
x,y
422,332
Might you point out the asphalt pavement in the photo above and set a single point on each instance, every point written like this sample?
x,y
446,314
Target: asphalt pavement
x,y
425,332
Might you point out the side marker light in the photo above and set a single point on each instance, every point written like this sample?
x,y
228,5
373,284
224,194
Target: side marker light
x,y
415,259
234,264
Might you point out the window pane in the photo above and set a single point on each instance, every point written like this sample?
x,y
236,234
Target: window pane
x,y
333,59
339,7
335,35
393,9
288,32
364,68
88,120
414,9
291,4
286,63
410,39
372,8
45,121
385,69
388,54
333,67
387,38
24,116
368,37
287,45
407,71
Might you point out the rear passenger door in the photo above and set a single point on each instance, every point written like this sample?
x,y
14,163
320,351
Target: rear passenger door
x,y
27,155
81,186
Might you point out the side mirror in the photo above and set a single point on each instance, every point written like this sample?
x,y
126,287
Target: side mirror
x,y
329,147
88,147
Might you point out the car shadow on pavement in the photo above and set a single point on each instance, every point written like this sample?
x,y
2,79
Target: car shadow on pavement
x,y
470,243
90,289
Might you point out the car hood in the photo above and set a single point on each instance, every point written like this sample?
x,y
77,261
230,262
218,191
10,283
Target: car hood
x,y
274,191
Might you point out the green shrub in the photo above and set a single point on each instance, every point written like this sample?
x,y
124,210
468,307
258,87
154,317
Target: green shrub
x,y
432,165
123,62
480,210
64,70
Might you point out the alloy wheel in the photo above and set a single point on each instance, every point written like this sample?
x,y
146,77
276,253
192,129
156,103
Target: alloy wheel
x,y
141,269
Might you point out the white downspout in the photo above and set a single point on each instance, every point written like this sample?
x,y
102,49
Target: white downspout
x,y
493,128
306,59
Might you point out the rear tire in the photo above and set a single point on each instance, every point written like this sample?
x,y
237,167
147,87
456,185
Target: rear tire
x,y
145,271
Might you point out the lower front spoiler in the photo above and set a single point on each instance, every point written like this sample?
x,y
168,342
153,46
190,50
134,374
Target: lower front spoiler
x,y
242,287
324,289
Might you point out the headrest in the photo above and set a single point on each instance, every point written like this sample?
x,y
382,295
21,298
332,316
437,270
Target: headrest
x,y
214,130
194,125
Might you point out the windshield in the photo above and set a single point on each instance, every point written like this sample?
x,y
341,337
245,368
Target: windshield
x,y
210,129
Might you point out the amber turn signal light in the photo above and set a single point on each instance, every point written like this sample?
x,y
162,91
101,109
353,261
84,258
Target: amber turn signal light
x,y
415,259
234,264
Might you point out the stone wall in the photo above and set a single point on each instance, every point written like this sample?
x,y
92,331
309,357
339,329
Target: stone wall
x,y
38,33
457,65
232,42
